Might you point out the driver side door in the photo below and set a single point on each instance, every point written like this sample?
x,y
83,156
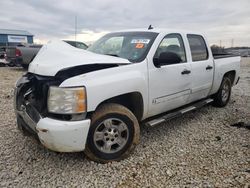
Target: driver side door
x,y
170,84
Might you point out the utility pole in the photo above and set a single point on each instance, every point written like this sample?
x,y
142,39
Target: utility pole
x,y
220,43
75,27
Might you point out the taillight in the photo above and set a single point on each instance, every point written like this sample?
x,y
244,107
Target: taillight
x,y
18,53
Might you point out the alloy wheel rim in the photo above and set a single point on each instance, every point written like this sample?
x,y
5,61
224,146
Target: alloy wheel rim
x,y
111,135
225,92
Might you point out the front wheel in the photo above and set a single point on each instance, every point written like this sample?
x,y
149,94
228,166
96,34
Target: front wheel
x,y
113,134
222,97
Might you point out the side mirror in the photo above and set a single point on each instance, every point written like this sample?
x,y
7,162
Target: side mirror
x,y
166,58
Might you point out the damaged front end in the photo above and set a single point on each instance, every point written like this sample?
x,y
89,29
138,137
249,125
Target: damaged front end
x,y
30,99
58,132
31,94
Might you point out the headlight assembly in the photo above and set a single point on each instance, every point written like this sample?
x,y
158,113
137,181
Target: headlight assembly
x,y
67,100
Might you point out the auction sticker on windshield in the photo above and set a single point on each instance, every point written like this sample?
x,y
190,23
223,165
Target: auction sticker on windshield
x,y
139,45
142,41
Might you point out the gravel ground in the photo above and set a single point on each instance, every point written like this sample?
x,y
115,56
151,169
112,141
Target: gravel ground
x,y
200,149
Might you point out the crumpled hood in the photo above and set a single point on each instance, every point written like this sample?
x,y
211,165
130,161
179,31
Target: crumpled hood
x,y
57,55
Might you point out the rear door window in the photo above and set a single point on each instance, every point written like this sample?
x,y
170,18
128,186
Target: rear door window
x,y
198,47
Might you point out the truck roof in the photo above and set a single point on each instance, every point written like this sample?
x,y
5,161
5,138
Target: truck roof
x,y
160,30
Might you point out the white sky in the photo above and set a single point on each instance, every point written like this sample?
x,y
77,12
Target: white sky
x,y
49,19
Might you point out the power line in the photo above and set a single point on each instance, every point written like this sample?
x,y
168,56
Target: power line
x,y
75,27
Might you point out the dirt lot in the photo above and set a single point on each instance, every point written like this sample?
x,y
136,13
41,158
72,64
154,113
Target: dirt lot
x,y
200,149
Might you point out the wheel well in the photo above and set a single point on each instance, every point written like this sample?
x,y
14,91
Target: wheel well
x,y
230,75
133,101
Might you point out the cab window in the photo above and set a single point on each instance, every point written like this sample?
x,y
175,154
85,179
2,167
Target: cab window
x,y
172,43
198,47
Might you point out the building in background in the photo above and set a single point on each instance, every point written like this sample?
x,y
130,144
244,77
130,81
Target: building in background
x,y
9,37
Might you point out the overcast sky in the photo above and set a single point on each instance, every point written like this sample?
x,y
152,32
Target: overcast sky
x,y
48,19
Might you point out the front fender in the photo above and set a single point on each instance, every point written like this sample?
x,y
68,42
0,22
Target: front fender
x,y
107,83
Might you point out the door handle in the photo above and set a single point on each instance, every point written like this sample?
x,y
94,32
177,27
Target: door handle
x,y
185,71
209,67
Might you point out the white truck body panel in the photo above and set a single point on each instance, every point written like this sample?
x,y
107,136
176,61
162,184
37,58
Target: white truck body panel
x,y
162,98
222,66
202,79
113,82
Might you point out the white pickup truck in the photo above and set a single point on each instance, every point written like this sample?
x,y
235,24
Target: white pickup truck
x,y
95,100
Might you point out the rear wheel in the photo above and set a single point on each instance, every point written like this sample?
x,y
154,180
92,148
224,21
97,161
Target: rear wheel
x,y
222,97
113,134
11,64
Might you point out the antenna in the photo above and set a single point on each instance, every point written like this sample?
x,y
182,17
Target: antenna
x,y
75,27
150,27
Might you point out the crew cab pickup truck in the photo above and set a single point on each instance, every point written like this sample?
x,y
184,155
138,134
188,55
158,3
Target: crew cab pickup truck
x,y
95,100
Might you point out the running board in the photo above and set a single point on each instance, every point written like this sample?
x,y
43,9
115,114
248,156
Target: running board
x,y
177,113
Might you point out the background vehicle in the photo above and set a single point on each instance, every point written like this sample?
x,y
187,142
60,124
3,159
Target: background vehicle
x,y
24,54
77,44
3,61
96,102
21,55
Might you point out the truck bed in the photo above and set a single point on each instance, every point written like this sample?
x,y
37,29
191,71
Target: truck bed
x,y
225,63
223,55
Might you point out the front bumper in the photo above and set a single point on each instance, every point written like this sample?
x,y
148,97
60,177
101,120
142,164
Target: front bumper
x,y
63,136
56,135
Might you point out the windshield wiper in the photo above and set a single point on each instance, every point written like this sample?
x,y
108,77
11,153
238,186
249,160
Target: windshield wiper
x,y
115,55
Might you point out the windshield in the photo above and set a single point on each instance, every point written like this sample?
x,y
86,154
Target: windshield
x,y
133,46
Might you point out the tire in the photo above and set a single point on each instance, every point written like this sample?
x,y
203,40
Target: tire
x,y
113,134
222,97
11,64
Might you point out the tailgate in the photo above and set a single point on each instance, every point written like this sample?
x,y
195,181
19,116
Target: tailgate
x,y
11,52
